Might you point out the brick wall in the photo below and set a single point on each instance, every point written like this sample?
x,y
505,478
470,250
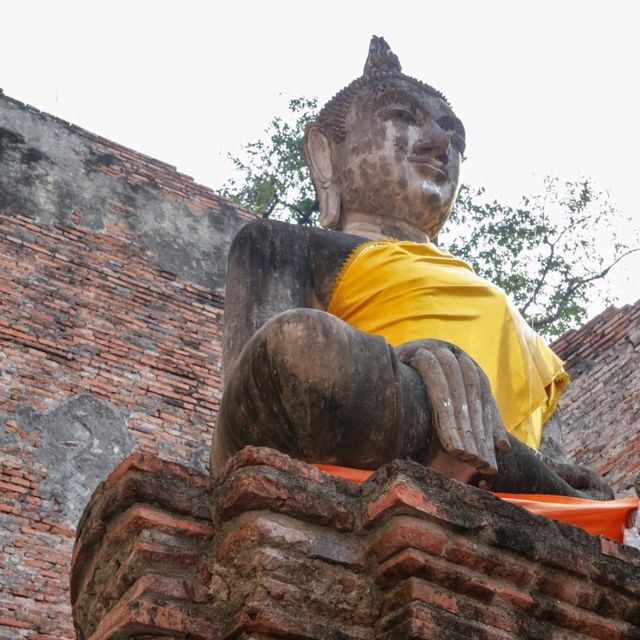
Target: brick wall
x,y
600,411
112,269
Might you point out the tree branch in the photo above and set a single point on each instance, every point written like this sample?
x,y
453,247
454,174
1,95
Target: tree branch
x,y
573,286
552,246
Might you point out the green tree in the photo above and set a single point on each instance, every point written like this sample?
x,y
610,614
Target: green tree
x,y
551,252
272,175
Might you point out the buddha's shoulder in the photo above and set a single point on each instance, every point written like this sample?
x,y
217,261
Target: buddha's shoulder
x,y
275,235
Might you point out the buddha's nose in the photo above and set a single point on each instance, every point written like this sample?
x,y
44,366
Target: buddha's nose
x,y
435,142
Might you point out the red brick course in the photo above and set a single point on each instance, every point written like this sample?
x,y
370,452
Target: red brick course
x,y
423,557
600,411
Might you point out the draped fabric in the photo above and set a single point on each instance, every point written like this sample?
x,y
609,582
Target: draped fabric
x,y
604,518
406,291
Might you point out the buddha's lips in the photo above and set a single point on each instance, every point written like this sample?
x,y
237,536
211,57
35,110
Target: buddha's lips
x,y
429,162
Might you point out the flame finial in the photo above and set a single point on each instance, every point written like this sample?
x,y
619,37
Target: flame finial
x,y
380,59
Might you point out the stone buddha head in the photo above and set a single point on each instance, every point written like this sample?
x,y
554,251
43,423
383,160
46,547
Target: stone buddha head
x,y
387,148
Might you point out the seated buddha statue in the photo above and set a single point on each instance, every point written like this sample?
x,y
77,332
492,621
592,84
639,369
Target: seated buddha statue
x,y
364,342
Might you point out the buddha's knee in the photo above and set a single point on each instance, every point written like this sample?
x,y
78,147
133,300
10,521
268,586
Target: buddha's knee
x,y
303,359
305,384
306,346
275,383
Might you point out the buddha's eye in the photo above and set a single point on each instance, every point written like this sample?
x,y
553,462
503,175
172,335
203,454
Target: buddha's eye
x,y
399,113
458,142
455,130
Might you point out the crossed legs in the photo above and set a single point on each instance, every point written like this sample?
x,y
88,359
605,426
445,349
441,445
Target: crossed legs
x,y
316,388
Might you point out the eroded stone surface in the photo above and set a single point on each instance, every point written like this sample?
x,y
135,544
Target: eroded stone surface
x,y
80,438
39,180
320,364
424,557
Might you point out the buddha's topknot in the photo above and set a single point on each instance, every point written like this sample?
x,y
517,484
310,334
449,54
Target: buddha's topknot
x,y
380,70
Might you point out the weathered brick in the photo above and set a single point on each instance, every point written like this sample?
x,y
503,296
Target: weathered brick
x,y
259,529
408,533
261,487
411,563
399,498
601,408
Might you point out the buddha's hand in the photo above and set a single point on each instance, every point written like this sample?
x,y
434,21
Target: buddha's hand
x,y
466,416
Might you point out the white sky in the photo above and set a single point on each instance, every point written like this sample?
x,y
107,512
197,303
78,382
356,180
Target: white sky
x,y
542,87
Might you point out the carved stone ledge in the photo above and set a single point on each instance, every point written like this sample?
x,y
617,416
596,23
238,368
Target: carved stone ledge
x,y
289,552
139,562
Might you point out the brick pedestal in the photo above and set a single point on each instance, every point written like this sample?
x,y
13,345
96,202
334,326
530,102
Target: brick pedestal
x,y
290,552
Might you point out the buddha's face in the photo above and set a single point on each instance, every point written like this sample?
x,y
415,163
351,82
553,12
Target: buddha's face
x,y
401,156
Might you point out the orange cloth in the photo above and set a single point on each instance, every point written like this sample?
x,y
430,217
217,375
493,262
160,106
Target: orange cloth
x,y
406,291
599,518
348,473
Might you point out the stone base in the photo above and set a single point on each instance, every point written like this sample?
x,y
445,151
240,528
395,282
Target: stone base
x,y
291,552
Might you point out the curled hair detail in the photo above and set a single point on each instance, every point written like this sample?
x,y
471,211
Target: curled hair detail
x,y
381,69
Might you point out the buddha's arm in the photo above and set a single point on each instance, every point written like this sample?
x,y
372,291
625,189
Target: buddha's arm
x,y
275,267
268,273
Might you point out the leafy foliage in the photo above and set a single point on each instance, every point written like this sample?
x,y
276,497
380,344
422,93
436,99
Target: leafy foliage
x,y
549,253
274,180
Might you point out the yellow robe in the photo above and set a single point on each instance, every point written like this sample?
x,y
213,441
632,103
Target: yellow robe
x,y
406,291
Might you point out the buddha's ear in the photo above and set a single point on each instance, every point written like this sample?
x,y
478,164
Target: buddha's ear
x,y
318,153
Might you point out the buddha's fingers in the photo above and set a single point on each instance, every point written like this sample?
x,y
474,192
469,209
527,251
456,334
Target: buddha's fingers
x,y
466,417
437,386
481,431
460,393
480,409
